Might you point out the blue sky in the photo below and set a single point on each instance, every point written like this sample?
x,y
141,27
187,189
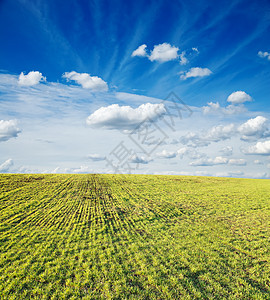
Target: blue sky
x,y
85,67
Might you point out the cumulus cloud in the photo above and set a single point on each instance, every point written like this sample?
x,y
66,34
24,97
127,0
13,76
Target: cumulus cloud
x,y
254,127
93,83
81,169
96,157
261,148
135,159
215,134
239,97
237,162
215,108
164,52
264,55
219,160
227,151
6,166
196,72
140,51
8,130
161,53
166,154
230,174
220,132
184,151
211,108
32,78
124,117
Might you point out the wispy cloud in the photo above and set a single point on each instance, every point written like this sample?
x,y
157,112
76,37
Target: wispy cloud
x,y
183,58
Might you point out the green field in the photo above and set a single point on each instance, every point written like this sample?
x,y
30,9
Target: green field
x,y
134,237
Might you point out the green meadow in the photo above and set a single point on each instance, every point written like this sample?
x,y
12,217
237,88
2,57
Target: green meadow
x,y
134,237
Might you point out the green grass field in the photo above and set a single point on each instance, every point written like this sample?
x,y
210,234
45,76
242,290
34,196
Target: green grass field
x,y
134,237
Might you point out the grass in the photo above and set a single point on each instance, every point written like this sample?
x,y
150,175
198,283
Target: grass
x,y
133,237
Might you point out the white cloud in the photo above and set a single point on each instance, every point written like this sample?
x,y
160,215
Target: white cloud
x,y
164,52
254,127
230,174
140,160
264,55
215,108
195,49
237,162
93,83
258,162
96,157
219,160
211,108
261,148
220,132
32,78
57,170
196,72
6,166
184,151
8,130
166,154
81,169
183,59
214,134
124,117
227,151
191,153
239,97
140,51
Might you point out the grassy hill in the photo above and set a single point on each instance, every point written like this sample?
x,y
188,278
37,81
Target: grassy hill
x,y
134,237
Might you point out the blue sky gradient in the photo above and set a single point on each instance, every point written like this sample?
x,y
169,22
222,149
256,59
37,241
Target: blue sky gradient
x,y
98,38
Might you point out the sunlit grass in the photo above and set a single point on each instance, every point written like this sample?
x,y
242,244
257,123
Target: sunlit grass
x,y
133,237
